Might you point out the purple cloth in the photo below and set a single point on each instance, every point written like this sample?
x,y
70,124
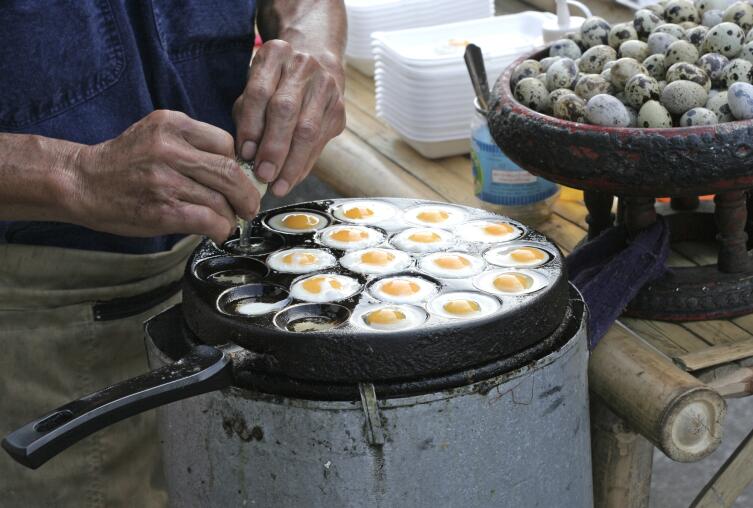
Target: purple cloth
x,y
609,271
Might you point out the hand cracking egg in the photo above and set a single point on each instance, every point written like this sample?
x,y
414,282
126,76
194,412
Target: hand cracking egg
x,y
375,261
390,318
463,305
451,264
423,240
518,256
322,288
510,282
301,260
350,237
297,222
434,215
402,289
487,231
364,212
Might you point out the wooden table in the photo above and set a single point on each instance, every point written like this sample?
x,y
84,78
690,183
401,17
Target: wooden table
x,y
653,383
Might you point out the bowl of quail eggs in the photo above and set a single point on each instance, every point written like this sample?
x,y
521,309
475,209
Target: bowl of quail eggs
x,y
660,105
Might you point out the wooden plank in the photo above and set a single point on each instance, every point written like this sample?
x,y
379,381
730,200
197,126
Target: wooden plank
x,y
713,356
731,479
562,232
716,332
703,253
670,338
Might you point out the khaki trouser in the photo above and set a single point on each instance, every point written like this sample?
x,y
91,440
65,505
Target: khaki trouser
x,y
53,350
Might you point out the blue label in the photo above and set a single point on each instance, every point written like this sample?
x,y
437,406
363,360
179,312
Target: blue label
x,y
499,180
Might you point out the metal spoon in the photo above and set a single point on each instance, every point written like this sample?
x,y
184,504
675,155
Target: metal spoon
x,y
244,241
474,60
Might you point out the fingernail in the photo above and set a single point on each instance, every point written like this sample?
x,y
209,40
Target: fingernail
x,y
266,171
248,150
280,188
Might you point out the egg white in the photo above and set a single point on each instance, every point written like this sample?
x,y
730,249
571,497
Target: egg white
x,y
382,211
428,265
324,260
252,308
488,304
485,282
414,316
328,294
455,215
374,238
474,232
275,222
426,289
352,261
403,242
500,256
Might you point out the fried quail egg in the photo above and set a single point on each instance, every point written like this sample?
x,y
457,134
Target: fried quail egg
x,y
350,237
423,239
402,289
451,264
297,222
364,212
375,261
329,287
434,215
517,256
486,231
300,260
391,317
463,305
509,282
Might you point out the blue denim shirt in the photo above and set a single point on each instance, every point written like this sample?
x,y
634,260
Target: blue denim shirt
x,y
85,70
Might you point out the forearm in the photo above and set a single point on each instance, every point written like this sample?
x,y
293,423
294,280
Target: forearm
x,y
35,177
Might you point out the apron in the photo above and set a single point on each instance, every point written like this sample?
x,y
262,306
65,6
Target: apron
x,y
71,323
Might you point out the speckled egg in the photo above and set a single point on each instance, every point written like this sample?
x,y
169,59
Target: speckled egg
x,y
680,51
639,89
707,5
740,98
662,85
607,74
644,22
620,33
556,94
698,116
712,18
696,35
620,96
654,116
532,93
589,85
672,29
680,96
632,115
741,14
542,77
633,49
749,37
606,110
570,107
565,48
624,69
656,9
548,61
577,39
747,52
594,59
595,31
655,66
525,69
561,74
687,25
713,64
689,72
737,71
725,38
718,103
658,42
677,11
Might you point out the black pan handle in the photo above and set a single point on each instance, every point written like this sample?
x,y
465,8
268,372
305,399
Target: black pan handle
x,y
204,369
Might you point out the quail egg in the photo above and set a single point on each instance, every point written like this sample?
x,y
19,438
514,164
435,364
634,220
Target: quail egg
x,y
623,70
634,49
749,36
633,115
607,110
488,231
595,31
713,64
718,103
712,18
589,85
532,93
687,25
525,69
680,51
300,260
507,282
375,261
657,9
565,48
595,58
423,239
653,115
640,89
556,94
656,66
704,6
364,211
297,222
437,215
682,95
517,256
689,72
698,116
545,63
741,14
644,22
747,52
696,35
350,237
725,38
390,318
658,42
570,107
451,265
678,11
672,29
737,71
463,305
620,33
402,289
561,74
740,97
328,287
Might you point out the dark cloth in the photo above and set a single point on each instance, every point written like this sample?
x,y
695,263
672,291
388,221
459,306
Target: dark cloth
x,y
85,70
609,271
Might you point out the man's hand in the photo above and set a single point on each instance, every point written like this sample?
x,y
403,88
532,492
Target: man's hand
x,y
165,174
291,107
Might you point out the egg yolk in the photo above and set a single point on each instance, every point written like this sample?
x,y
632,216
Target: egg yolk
x,y
314,284
385,317
433,216
377,257
498,229
347,235
359,212
400,287
300,221
425,237
462,307
299,258
527,255
512,282
452,262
